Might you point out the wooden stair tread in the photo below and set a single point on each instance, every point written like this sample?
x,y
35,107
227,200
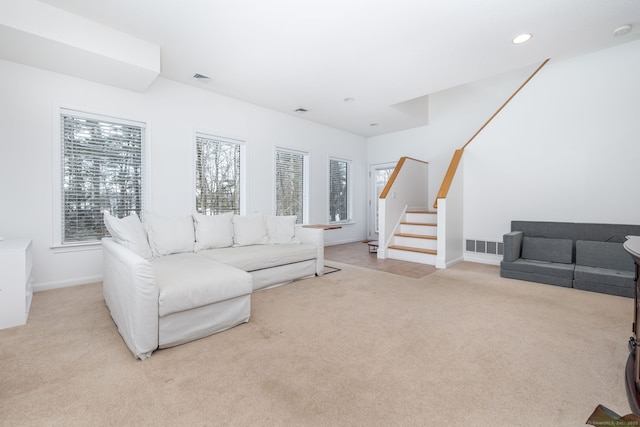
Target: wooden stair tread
x,y
418,211
426,224
408,249
416,236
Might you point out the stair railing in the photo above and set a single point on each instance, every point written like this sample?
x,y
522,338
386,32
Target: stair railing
x,y
457,155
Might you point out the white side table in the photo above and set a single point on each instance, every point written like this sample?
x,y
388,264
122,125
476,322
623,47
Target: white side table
x,y
15,282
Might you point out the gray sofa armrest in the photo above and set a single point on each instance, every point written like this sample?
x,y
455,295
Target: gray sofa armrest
x,y
512,245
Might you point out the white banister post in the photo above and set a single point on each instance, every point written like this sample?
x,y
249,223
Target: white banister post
x,y
441,257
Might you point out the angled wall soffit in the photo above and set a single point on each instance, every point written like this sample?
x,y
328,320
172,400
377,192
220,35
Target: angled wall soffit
x,y
417,108
39,35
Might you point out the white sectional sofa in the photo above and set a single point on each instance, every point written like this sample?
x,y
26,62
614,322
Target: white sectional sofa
x,y
184,278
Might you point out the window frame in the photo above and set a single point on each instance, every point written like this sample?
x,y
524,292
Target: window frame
x,y
349,189
243,165
57,238
305,184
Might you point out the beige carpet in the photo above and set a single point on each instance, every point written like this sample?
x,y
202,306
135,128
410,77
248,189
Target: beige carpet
x,y
460,347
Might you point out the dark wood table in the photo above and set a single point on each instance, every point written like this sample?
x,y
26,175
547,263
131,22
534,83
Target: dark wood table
x,y
632,374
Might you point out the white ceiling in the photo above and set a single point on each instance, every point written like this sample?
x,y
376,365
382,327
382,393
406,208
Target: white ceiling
x,y
386,54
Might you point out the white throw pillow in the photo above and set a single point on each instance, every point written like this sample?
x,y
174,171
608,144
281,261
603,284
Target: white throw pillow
x,y
128,232
213,231
250,230
170,234
282,229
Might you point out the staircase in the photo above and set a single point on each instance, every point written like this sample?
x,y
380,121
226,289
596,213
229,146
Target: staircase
x,y
415,238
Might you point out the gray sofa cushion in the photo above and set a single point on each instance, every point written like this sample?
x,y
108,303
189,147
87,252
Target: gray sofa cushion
x,y
553,230
605,276
540,278
606,232
604,255
545,249
623,290
544,268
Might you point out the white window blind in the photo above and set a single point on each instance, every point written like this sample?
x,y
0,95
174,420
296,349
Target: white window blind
x,y
217,175
339,191
291,183
101,170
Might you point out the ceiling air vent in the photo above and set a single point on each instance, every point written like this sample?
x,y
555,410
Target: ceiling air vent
x,y
201,77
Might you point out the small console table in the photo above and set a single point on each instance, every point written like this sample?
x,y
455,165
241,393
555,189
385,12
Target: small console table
x,y
632,246
324,226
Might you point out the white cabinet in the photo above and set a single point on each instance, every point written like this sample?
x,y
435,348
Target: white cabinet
x,y
15,282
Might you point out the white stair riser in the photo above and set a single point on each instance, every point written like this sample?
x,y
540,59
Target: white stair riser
x,y
423,230
430,218
415,243
412,256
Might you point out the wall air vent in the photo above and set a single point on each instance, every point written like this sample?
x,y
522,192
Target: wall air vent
x,y
485,247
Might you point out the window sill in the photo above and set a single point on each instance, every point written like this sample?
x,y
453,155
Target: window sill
x,y
342,223
76,247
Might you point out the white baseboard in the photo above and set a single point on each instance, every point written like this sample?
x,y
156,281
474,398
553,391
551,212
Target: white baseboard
x,y
440,263
47,286
483,258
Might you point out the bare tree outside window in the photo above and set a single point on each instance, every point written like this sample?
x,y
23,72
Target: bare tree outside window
x,y
290,183
217,176
101,170
338,190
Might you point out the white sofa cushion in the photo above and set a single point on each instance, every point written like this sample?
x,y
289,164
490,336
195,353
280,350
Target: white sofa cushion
x,y
258,257
250,230
281,229
129,232
187,281
213,231
170,234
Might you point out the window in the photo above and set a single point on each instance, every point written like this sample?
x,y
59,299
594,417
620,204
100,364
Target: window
x,y
291,183
217,175
381,177
101,162
339,190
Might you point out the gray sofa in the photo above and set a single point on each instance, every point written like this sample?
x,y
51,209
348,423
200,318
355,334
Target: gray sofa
x,y
579,255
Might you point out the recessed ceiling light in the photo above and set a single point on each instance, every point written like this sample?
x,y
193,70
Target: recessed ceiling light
x,y
373,124
349,99
301,110
621,31
521,38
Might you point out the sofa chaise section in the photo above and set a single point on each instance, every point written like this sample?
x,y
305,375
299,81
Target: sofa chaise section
x,y
191,287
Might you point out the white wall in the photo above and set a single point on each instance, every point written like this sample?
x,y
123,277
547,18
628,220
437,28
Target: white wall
x,y
29,98
454,116
567,148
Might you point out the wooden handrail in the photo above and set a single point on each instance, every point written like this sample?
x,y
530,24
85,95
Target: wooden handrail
x,y
506,102
394,174
455,160
448,177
